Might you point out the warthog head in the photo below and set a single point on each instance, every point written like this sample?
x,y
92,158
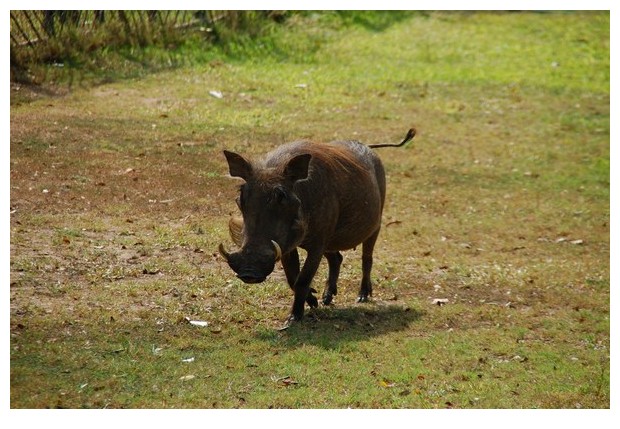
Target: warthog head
x,y
271,222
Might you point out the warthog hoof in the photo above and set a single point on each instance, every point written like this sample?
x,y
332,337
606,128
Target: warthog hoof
x,y
363,298
290,321
312,301
327,298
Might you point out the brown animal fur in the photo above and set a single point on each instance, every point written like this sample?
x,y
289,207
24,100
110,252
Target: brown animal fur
x,y
322,197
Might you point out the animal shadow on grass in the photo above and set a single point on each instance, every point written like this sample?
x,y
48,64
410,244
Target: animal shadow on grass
x,y
331,327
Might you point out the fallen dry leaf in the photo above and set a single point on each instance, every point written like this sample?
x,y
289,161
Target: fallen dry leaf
x,y
386,383
187,377
200,323
284,381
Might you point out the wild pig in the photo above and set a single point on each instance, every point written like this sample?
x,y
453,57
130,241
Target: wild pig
x,y
321,197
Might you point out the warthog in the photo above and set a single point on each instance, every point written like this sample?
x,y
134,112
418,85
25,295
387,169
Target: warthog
x,y
321,197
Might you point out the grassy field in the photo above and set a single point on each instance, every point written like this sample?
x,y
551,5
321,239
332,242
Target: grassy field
x,y
120,196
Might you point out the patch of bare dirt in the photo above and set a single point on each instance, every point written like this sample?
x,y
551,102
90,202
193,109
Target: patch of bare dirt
x,y
22,93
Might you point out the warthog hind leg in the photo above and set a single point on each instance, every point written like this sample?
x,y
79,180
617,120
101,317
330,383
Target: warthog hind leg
x,y
334,260
367,249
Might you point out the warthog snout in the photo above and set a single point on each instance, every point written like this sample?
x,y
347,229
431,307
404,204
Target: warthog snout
x,y
253,264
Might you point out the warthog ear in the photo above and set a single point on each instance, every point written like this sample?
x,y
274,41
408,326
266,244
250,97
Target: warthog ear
x,y
238,165
297,167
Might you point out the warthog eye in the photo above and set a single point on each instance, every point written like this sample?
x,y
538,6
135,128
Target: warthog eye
x,y
279,195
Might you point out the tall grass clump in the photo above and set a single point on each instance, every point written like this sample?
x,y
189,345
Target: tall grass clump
x,y
129,43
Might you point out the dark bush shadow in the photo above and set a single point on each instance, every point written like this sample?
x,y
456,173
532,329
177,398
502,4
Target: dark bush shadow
x,y
331,327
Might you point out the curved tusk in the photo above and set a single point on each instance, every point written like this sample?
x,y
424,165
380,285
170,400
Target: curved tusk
x,y
276,246
223,252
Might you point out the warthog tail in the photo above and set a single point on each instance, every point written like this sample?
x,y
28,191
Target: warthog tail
x,y
410,135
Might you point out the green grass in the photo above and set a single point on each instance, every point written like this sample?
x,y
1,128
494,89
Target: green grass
x,y
500,205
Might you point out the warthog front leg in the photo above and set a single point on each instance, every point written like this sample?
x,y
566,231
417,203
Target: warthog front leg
x,y
290,263
302,290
